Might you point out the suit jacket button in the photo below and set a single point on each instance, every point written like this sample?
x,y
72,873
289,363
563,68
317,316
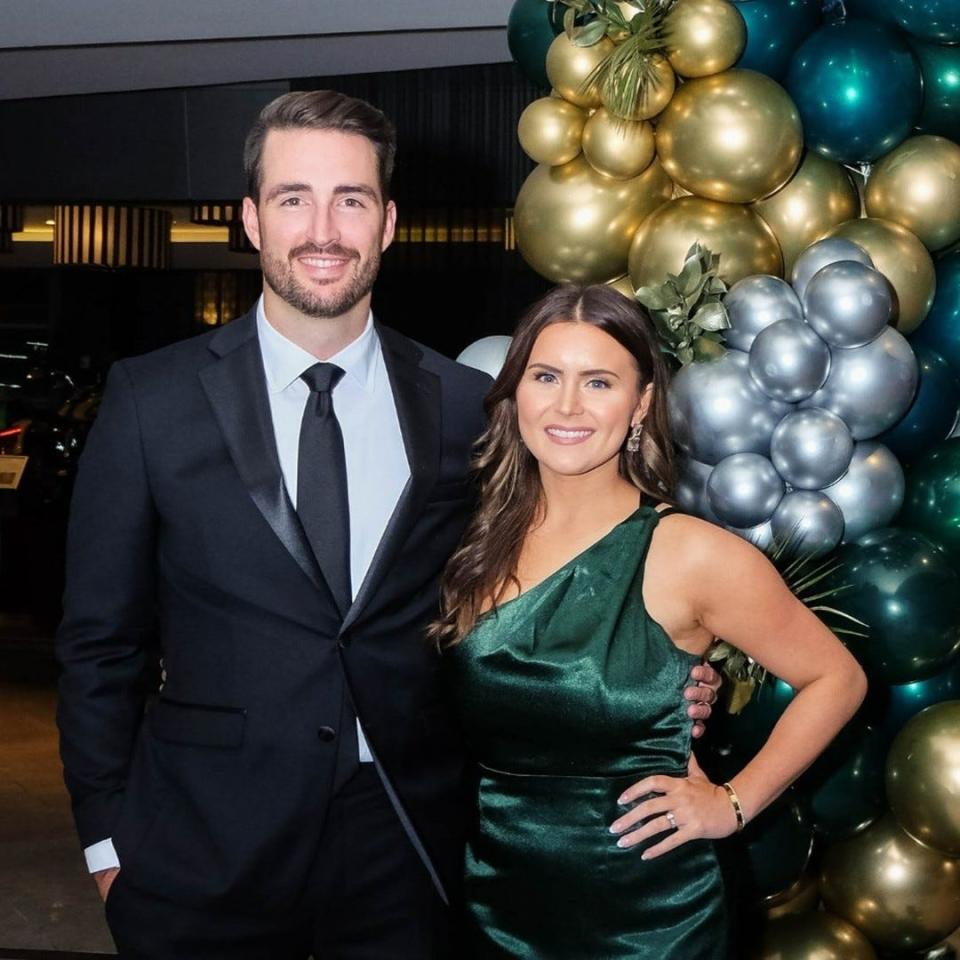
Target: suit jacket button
x,y
326,734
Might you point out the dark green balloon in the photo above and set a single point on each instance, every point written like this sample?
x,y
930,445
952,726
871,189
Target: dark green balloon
x,y
857,86
905,589
936,20
932,499
778,845
905,700
941,329
531,27
932,414
846,784
940,66
775,28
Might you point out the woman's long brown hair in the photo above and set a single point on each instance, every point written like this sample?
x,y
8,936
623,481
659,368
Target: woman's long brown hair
x,y
485,563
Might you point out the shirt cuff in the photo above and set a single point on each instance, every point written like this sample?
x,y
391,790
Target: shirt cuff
x,y
101,856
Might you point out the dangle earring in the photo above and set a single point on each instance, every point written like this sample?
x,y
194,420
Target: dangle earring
x,y
633,440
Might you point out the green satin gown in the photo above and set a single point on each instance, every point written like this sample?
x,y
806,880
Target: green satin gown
x,y
568,694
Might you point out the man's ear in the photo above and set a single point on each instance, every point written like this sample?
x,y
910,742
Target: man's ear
x,y
389,224
251,221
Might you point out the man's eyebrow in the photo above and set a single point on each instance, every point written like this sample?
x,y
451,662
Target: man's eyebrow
x,y
360,188
288,188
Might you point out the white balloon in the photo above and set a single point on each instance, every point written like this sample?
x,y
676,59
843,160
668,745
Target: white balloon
x,y
486,354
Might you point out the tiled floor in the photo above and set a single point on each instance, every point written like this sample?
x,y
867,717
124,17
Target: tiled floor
x,y
47,901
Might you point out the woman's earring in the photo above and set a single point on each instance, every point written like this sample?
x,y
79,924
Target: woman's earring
x,y
633,440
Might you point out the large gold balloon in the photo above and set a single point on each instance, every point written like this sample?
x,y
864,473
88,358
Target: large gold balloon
x,y
900,256
917,185
815,936
745,243
550,130
568,67
818,196
619,148
576,224
624,286
902,895
802,897
734,137
657,92
704,36
923,777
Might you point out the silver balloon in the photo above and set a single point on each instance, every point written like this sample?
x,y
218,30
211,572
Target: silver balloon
x,y
690,491
811,448
808,522
848,303
788,361
761,536
486,354
717,410
870,387
744,489
753,303
870,494
821,253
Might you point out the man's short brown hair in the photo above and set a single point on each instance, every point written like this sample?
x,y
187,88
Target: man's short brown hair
x,y
320,110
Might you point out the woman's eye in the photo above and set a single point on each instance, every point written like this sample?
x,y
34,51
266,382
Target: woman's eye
x,y
543,377
598,383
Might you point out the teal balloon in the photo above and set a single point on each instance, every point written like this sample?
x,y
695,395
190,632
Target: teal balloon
x,y
846,784
932,500
941,329
905,700
905,589
868,10
940,67
775,28
531,27
778,845
857,86
936,20
933,413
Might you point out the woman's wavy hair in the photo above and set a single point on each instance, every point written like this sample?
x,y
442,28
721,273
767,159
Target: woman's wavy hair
x,y
485,563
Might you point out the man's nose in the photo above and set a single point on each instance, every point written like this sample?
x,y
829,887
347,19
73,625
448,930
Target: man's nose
x,y
323,226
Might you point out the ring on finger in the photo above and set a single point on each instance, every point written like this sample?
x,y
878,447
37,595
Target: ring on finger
x,y
673,820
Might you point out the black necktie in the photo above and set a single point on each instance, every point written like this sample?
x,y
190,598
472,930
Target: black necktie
x,y
322,482
323,507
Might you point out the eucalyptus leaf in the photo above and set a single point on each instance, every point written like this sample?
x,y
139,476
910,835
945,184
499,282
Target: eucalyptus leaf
x,y
569,22
590,34
712,316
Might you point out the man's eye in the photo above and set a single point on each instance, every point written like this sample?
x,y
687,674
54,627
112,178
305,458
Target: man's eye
x,y
291,202
353,202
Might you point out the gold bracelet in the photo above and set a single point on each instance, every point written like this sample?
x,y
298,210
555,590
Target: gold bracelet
x,y
735,803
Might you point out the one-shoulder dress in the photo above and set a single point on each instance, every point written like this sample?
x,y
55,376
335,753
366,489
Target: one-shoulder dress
x,y
568,694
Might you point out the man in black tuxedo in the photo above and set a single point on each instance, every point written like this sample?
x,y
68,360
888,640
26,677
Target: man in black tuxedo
x,y
271,505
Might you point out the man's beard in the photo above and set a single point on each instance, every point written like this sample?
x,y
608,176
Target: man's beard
x,y
278,273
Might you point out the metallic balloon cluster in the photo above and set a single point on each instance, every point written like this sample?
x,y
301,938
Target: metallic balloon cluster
x,y
778,434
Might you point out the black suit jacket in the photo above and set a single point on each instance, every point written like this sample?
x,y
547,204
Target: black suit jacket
x,y
181,531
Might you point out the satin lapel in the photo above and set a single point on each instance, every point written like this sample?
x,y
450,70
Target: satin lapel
x,y
237,390
416,393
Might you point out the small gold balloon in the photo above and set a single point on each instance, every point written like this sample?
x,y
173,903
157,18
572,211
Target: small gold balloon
x,y
704,36
624,286
901,895
568,67
745,243
734,137
802,897
657,92
550,130
574,224
918,186
814,936
619,148
923,777
900,256
818,196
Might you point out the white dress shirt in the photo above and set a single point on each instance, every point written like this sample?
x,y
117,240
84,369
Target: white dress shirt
x,y
377,467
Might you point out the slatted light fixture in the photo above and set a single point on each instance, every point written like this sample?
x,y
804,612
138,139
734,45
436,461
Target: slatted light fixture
x,y
107,235
215,214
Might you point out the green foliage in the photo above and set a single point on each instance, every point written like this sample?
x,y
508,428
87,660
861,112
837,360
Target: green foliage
x,y
687,309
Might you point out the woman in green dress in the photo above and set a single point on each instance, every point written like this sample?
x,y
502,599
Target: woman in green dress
x,y
572,613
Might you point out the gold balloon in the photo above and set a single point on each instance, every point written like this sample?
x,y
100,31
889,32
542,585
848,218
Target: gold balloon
x,y
802,897
550,130
903,260
745,243
815,936
619,148
918,186
923,777
900,894
819,196
576,224
624,286
657,93
568,66
704,36
734,137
